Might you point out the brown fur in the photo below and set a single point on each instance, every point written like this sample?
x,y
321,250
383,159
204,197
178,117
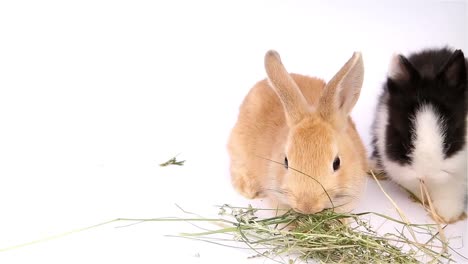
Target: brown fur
x,y
308,121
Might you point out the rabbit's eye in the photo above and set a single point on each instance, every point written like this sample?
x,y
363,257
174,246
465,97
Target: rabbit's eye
x,y
336,163
286,162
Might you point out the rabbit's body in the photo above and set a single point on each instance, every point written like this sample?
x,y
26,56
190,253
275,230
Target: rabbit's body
x,y
264,136
420,130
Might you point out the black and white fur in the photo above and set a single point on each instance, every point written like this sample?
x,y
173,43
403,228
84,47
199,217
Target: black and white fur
x,y
420,128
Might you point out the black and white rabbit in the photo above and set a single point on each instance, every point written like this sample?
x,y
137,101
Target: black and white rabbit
x,y
420,127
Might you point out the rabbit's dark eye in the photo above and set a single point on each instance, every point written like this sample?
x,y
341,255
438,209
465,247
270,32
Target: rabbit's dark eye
x,y
336,163
286,162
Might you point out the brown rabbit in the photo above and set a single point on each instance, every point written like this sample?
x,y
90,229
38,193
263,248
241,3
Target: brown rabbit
x,y
295,143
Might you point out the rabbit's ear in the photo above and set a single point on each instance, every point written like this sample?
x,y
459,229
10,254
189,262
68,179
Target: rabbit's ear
x,y
454,71
294,103
401,69
342,91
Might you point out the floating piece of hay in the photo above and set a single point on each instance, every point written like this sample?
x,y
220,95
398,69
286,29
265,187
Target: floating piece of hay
x,y
172,161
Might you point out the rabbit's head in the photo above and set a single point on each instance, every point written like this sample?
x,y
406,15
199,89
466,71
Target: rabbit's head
x,y
322,167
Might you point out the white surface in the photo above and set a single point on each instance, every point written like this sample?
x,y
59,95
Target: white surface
x,y
95,94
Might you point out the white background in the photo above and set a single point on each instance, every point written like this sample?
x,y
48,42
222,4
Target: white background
x,y
95,94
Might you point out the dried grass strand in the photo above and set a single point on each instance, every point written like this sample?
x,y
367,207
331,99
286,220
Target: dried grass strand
x,y
430,207
397,208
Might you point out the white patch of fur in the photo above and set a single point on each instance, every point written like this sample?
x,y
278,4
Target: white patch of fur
x,y
446,179
428,154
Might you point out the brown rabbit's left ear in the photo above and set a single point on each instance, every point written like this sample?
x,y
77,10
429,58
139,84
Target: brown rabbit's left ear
x,y
454,70
342,91
294,103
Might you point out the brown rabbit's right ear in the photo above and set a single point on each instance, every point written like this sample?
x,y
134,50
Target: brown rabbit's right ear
x,y
294,103
342,92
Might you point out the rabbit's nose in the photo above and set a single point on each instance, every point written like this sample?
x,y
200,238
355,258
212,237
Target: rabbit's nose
x,y
308,208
